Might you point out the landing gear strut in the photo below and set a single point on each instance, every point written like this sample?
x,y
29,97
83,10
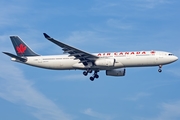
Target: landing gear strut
x,y
160,70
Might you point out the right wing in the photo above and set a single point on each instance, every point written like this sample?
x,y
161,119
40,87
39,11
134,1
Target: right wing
x,y
83,56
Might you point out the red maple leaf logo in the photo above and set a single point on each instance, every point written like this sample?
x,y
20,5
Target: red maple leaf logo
x,y
21,49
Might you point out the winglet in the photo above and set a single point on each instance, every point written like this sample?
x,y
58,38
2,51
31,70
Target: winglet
x,y
46,36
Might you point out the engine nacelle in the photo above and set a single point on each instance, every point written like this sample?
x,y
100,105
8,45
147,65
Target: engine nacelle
x,y
106,62
116,72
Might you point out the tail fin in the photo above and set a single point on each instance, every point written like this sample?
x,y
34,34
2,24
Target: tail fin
x,y
21,48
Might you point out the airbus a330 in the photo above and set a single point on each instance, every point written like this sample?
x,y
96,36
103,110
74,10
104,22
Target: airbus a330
x,y
113,63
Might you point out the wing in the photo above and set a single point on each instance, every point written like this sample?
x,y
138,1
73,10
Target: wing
x,y
83,56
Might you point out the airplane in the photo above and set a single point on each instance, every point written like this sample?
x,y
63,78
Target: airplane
x,y
113,63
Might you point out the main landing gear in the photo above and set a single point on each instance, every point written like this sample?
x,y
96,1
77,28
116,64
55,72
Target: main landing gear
x,y
160,70
95,75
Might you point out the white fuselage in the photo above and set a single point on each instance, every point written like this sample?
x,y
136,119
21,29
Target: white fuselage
x,y
122,60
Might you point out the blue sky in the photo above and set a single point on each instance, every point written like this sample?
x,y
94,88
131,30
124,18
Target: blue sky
x,y
30,93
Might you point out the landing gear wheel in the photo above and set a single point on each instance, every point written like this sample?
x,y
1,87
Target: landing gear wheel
x,y
159,70
96,76
85,73
92,78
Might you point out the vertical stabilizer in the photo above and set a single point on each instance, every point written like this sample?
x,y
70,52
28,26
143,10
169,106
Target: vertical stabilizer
x,y
21,48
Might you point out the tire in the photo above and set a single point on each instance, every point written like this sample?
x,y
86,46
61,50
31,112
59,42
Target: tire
x,y
92,78
85,73
96,76
159,70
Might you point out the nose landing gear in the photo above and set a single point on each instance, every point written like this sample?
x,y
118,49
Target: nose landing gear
x,y
160,70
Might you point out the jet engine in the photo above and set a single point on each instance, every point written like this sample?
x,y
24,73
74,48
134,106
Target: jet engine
x,y
107,62
116,72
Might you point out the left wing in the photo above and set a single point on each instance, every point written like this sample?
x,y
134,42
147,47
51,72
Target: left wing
x,y
83,56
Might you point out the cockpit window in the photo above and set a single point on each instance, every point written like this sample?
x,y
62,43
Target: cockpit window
x,y
170,54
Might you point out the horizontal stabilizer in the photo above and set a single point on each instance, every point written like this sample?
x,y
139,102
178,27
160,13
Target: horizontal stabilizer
x,y
17,57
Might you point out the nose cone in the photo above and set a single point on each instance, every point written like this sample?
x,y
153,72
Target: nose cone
x,y
175,58
172,59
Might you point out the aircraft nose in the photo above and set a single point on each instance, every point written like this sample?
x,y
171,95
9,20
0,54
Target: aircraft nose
x,y
175,58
